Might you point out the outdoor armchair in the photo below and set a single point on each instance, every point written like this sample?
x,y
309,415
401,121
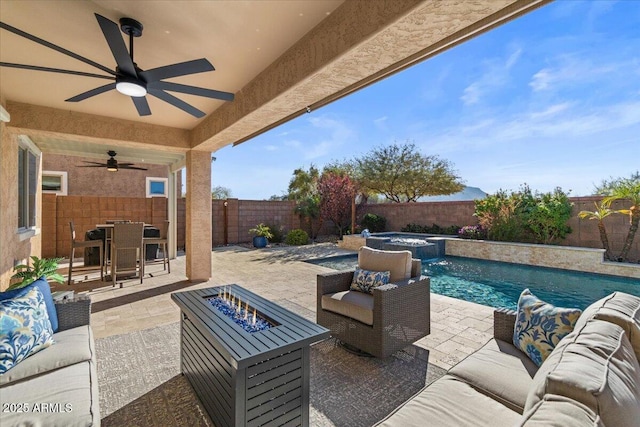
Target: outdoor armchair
x,y
392,317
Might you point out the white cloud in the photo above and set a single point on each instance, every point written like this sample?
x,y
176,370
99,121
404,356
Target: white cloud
x,y
270,147
293,143
495,75
333,134
381,122
550,111
573,70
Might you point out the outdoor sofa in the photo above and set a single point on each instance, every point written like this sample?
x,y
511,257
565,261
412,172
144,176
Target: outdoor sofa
x,y
384,321
591,378
57,386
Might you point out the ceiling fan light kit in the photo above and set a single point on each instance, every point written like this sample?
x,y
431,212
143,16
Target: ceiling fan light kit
x,y
130,86
130,80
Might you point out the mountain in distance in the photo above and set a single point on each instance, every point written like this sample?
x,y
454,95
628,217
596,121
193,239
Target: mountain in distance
x,y
468,193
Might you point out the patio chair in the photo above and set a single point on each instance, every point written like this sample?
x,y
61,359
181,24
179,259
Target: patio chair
x,y
387,320
163,242
83,244
127,250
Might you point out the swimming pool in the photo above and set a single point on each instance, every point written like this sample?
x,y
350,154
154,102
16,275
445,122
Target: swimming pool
x,y
499,284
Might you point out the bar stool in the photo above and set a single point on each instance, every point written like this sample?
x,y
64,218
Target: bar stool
x,y
161,241
83,244
127,250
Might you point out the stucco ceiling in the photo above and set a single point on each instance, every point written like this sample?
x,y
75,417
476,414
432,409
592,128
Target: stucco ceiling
x,y
240,39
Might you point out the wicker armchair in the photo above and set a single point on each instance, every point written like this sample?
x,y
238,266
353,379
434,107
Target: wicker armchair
x,y
401,312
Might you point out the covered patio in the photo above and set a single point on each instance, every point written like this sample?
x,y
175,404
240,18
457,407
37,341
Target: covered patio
x,y
279,59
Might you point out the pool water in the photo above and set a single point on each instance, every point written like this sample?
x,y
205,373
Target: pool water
x,y
499,284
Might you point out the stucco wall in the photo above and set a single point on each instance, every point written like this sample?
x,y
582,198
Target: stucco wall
x,y
13,249
89,181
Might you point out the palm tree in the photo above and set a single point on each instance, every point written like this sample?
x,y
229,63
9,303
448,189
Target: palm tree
x,y
627,189
602,211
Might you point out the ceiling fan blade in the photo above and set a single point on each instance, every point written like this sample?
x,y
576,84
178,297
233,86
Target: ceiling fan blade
x,y
55,47
92,92
141,105
112,33
131,167
54,70
94,163
175,70
192,90
103,165
176,102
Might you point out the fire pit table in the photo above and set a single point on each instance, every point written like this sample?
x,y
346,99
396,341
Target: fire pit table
x,y
246,357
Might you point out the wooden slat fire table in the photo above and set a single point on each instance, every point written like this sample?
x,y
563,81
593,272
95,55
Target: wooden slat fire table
x,y
246,378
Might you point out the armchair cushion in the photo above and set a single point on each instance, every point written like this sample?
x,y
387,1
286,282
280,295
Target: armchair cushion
x,y
365,280
398,263
354,304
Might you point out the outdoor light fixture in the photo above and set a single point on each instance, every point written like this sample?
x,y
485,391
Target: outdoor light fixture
x,y
130,86
112,165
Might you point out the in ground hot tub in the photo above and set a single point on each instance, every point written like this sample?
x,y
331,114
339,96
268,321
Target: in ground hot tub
x,y
422,246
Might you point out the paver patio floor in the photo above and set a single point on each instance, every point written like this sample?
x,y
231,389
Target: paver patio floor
x,y
458,328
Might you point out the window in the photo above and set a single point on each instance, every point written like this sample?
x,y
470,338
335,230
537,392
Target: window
x,y
156,187
28,165
54,182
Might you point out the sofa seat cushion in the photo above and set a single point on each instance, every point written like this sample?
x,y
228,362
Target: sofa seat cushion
x,y
451,402
500,371
621,309
398,263
560,411
596,366
65,397
70,347
353,304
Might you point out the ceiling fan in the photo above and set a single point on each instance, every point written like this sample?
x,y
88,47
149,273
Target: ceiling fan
x,y
112,164
128,78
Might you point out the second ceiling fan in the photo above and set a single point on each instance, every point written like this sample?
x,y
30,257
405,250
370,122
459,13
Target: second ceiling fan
x,y
112,164
128,78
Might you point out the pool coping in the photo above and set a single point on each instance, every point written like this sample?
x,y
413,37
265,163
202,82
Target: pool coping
x,y
589,260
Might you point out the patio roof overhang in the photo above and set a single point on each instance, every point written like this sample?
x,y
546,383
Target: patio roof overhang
x,y
278,58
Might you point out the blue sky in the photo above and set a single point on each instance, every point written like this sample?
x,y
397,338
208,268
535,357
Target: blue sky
x,y
550,99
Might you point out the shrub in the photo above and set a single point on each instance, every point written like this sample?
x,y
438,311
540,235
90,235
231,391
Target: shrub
x,y
277,232
375,223
433,229
524,216
297,237
472,232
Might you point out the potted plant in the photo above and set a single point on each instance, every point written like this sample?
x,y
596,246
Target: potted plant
x,y
262,233
28,274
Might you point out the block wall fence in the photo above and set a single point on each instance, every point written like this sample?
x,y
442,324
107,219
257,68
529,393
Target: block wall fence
x,y
242,215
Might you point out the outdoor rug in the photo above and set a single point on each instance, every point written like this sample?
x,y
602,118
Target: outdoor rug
x,y
141,385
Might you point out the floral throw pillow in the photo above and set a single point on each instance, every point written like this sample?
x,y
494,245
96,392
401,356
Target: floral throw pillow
x,y
540,326
365,280
25,328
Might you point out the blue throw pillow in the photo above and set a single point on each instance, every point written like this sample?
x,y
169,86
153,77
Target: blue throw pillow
x,y
45,289
540,326
24,328
365,280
